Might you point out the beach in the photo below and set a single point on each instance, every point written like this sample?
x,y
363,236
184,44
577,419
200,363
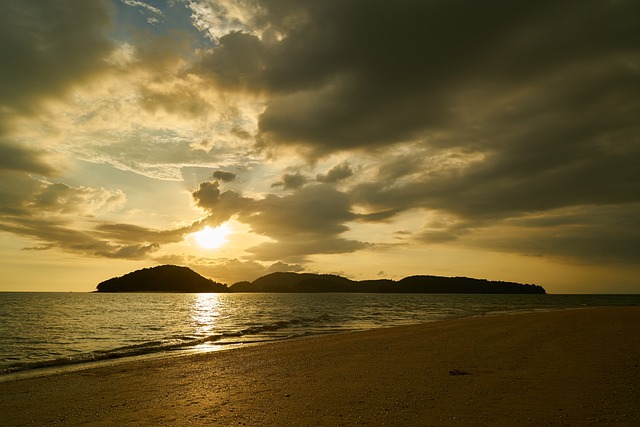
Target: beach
x,y
570,367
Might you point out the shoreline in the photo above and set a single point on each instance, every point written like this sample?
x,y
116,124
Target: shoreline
x,y
64,365
572,367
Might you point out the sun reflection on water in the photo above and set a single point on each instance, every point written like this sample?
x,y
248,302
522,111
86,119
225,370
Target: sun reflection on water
x,y
205,311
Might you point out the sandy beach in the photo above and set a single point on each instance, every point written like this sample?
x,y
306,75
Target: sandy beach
x,y
573,367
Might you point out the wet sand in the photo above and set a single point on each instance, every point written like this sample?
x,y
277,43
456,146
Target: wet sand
x,y
572,367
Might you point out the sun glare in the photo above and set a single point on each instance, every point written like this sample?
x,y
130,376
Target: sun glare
x,y
211,238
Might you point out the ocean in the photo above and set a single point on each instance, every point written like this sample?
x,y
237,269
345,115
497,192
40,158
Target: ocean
x,y
45,331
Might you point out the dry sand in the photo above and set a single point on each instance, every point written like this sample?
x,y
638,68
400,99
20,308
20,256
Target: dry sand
x,y
572,367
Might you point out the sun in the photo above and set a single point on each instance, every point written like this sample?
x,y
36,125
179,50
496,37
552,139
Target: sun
x,y
211,238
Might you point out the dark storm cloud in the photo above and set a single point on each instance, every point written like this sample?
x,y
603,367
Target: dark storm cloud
x,y
504,108
47,47
494,115
495,188
367,73
21,159
236,63
317,210
16,192
336,173
539,100
593,234
307,222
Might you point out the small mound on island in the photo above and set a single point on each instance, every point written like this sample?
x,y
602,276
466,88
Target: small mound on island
x,y
172,278
163,278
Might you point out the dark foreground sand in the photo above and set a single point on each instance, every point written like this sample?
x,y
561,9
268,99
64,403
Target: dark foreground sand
x,y
573,367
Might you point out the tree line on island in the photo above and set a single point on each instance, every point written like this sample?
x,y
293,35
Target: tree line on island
x,y
172,278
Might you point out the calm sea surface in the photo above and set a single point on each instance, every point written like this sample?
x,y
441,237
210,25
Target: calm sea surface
x,y
66,329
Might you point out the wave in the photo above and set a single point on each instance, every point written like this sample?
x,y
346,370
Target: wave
x,y
60,331
247,335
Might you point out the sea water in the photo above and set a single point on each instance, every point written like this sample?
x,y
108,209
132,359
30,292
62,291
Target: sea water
x,y
70,329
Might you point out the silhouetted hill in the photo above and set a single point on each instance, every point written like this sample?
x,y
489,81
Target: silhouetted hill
x,y
463,285
172,278
295,282
308,282
163,278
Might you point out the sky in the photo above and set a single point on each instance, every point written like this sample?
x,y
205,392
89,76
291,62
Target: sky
x,y
371,139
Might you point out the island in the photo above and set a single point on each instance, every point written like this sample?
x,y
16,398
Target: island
x,y
172,278
162,278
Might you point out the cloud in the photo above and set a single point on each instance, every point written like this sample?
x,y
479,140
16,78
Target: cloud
x,y
59,216
30,197
127,252
496,188
107,240
309,221
220,205
154,152
291,181
298,250
103,91
224,176
16,158
336,173
477,120
216,19
236,63
479,113
126,233
48,47
154,15
585,234
62,198
59,234
343,78
314,210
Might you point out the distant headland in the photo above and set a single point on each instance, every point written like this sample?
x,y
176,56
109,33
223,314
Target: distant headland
x,y
173,278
